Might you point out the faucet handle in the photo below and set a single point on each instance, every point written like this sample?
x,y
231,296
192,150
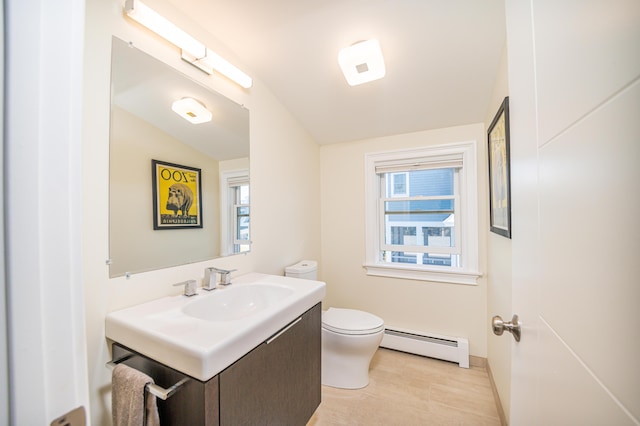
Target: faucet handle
x,y
189,287
225,277
222,271
209,282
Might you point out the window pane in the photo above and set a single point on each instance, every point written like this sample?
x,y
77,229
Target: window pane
x,y
441,259
243,229
433,182
241,226
435,230
242,194
421,258
430,221
402,257
398,187
419,182
416,222
403,235
439,236
419,206
400,183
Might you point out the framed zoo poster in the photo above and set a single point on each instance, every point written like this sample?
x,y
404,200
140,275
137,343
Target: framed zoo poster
x,y
177,196
499,181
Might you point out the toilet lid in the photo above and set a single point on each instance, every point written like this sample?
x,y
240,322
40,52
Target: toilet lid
x,y
351,321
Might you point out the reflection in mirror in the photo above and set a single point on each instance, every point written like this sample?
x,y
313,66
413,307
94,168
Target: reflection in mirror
x,y
144,128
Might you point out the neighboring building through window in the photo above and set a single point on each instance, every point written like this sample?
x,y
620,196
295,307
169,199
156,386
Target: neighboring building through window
x,y
422,213
235,212
240,217
419,225
398,184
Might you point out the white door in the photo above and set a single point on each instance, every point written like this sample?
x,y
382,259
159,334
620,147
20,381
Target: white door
x,y
574,76
4,362
42,209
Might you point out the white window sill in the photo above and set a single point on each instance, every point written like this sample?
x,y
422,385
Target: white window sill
x,y
423,274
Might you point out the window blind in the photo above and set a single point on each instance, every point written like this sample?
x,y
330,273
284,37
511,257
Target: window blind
x,y
238,181
425,163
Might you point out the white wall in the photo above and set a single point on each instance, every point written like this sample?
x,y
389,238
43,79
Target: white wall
x,y
447,309
235,164
499,271
284,184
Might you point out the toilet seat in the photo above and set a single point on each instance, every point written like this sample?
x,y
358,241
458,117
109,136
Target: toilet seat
x,y
351,321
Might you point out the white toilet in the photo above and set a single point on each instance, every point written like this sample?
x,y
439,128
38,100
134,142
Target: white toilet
x,y
350,338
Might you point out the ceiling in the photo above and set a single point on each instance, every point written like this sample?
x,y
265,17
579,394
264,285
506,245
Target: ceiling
x,y
441,56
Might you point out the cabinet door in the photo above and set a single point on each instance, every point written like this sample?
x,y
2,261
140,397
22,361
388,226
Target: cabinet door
x,y
278,383
195,404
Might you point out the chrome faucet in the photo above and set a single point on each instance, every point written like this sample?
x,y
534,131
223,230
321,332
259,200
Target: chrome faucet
x,y
189,287
209,282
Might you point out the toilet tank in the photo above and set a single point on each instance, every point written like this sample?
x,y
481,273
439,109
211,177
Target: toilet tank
x,y
307,269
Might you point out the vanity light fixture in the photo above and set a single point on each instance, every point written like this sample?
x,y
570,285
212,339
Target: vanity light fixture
x,y
191,110
193,51
362,62
214,62
144,15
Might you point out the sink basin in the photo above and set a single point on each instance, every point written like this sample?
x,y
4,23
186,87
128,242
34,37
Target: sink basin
x,y
202,335
234,303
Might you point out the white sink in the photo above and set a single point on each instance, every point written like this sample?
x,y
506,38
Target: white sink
x,y
236,302
202,335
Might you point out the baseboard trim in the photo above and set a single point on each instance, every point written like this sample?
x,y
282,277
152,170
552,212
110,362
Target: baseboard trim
x,y
477,361
494,389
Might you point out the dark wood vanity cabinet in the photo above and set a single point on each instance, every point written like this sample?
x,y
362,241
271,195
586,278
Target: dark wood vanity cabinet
x,y
277,383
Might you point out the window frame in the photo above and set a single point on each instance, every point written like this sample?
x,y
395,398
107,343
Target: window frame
x,y
467,231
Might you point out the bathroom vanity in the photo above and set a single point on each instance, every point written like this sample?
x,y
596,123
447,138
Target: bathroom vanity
x,y
248,353
278,382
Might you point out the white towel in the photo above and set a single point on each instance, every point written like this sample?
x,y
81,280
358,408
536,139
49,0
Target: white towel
x,y
130,404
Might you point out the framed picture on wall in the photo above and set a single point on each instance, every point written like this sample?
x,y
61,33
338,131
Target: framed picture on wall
x,y
499,180
177,196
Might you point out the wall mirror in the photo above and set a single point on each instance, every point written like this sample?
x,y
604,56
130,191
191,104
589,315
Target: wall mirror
x,y
145,129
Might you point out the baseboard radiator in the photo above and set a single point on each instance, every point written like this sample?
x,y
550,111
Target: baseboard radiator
x,y
454,349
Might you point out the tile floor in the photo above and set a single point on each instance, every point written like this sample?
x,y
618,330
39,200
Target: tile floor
x,y
408,390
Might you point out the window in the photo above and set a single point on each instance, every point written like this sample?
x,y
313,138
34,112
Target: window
x,y
422,214
398,184
235,211
240,193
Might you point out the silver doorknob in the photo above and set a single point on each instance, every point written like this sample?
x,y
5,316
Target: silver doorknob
x,y
512,326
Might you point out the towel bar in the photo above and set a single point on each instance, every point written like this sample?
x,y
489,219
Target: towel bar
x,y
152,388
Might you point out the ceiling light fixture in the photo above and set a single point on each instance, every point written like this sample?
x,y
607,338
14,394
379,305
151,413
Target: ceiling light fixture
x,y
193,51
191,110
362,62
